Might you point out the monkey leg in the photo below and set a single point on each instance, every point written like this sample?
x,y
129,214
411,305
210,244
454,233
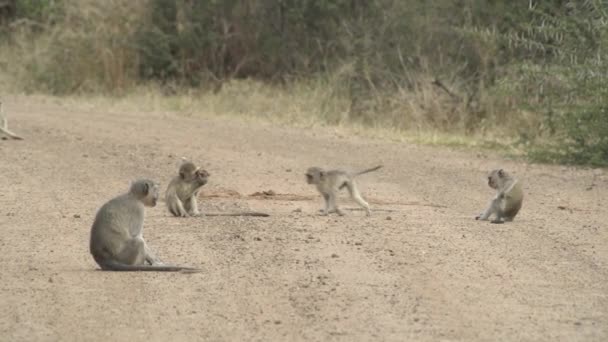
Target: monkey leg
x,y
149,256
333,204
177,208
191,206
493,207
132,253
355,195
499,216
325,211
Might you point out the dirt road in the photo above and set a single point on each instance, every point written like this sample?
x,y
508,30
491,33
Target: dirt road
x,y
420,269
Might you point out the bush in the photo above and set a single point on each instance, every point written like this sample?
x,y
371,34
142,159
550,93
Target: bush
x,y
494,69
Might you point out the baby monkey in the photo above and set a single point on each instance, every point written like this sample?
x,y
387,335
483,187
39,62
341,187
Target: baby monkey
x,y
329,183
182,191
508,199
117,242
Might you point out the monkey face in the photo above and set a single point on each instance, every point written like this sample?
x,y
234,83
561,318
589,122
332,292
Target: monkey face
x,y
492,182
188,171
146,191
313,175
309,178
152,197
495,178
200,177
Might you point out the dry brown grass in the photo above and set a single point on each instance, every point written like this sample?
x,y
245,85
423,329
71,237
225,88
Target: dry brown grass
x,y
90,56
88,49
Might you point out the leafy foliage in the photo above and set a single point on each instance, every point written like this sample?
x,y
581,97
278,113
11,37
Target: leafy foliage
x,y
529,69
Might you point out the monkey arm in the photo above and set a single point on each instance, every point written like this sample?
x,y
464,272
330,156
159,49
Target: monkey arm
x,y
175,205
327,199
333,204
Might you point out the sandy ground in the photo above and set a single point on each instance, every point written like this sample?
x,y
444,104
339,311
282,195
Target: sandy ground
x,y
419,269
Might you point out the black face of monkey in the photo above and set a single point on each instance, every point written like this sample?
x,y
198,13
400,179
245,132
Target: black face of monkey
x,y
492,183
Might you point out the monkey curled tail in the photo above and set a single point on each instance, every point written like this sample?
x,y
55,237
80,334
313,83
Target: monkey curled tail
x,y
508,199
117,242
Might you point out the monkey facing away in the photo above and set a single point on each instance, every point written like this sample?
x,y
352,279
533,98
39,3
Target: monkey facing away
x,y
183,189
508,200
117,242
4,126
329,183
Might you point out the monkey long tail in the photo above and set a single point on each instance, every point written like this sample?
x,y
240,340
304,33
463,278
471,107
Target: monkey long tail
x,y
118,267
4,127
368,170
10,134
243,213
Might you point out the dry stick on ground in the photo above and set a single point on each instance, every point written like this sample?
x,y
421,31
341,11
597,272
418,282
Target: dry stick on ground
x,y
233,194
4,126
375,209
270,195
240,213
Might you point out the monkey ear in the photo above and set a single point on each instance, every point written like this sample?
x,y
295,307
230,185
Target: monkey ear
x,y
146,189
182,161
501,173
321,174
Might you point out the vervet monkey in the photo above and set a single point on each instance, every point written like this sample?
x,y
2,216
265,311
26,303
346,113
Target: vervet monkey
x,y
330,182
4,126
508,199
117,242
183,189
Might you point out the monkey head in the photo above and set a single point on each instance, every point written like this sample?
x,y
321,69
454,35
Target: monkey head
x,y
187,171
146,191
314,175
200,177
497,178
190,173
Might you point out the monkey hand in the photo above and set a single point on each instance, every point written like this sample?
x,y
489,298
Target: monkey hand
x,y
480,217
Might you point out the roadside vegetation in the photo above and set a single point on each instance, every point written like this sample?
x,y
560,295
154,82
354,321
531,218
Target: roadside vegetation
x,y
527,76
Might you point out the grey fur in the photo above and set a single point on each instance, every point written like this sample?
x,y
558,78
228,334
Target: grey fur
x,y
183,189
117,242
329,183
508,199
